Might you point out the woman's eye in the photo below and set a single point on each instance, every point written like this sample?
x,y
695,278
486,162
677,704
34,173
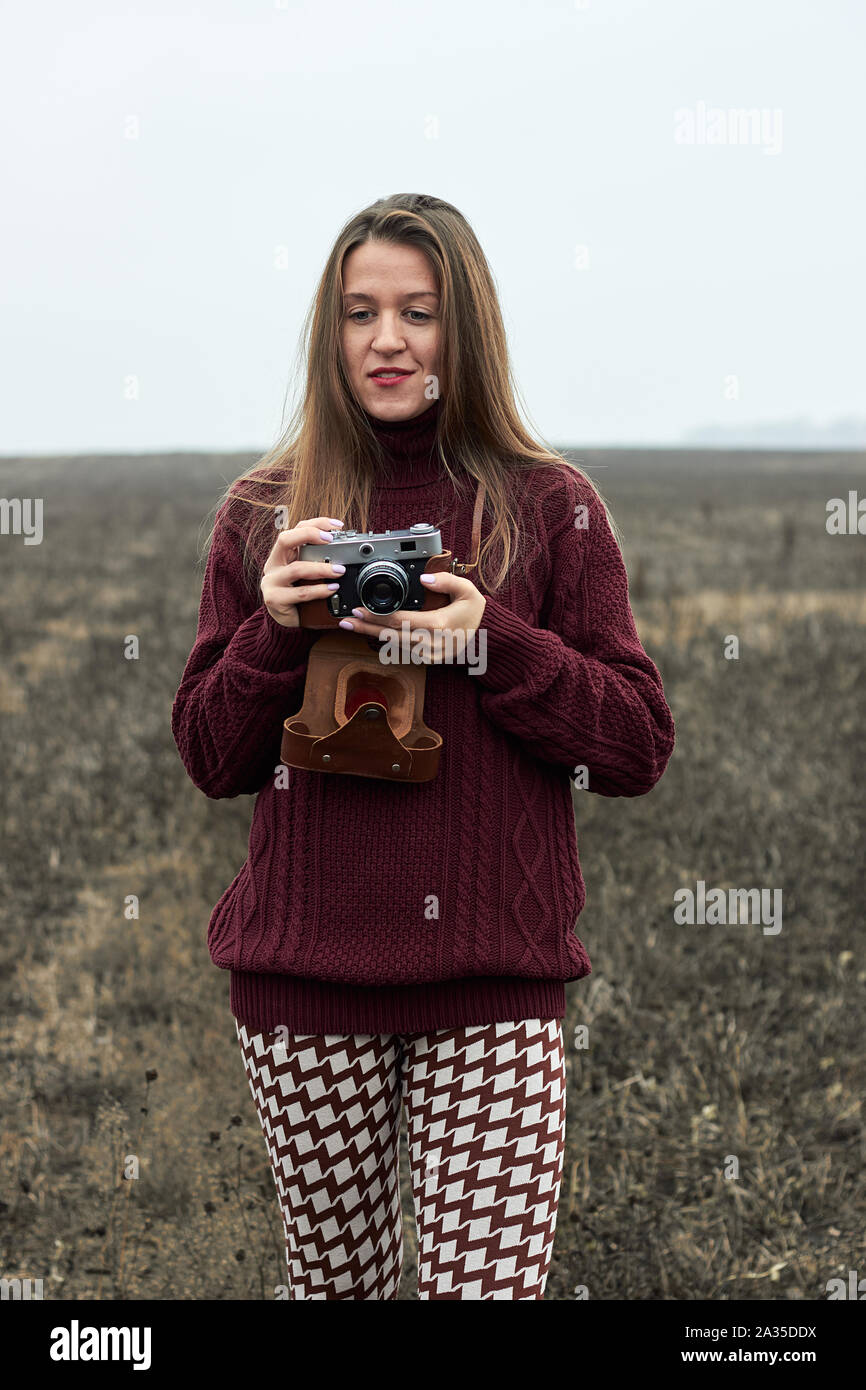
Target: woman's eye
x,y
422,317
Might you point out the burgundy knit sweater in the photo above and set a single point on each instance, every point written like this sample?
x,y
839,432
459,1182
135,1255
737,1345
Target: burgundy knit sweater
x,y
369,906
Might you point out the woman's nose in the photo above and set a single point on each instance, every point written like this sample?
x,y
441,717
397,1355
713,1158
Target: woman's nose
x,y
388,333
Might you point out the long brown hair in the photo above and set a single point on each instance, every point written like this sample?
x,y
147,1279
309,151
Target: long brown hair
x,y
327,459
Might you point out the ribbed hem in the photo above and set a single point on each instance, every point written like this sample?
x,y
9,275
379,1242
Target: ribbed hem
x,y
514,650
265,644
263,1003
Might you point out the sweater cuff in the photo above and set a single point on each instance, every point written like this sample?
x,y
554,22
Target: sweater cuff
x,y
515,649
263,643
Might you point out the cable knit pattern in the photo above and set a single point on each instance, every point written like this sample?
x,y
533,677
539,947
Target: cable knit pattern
x,y
328,926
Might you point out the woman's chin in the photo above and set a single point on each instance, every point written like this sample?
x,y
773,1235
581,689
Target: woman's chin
x,y
395,409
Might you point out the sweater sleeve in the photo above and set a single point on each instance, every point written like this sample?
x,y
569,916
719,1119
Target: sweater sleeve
x,y
244,676
582,691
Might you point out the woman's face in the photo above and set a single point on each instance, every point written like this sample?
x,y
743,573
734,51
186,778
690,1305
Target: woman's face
x,y
390,325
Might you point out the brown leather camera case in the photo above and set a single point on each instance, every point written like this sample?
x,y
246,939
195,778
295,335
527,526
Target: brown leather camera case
x,y
384,735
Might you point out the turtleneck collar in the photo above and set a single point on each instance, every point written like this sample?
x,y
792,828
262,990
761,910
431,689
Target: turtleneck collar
x,y
411,458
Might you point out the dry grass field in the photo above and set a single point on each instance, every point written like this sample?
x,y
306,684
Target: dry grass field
x,y
706,1041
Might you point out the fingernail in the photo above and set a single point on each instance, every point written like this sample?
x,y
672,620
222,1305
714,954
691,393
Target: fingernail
x,y
333,522
358,612
344,622
326,535
333,586
427,578
339,569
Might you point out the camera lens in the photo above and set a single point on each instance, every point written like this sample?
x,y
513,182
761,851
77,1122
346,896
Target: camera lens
x,y
382,586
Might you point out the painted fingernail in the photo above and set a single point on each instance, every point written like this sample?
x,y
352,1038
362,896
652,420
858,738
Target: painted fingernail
x,y
344,622
333,586
333,522
326,535
427,578
339,569
358,612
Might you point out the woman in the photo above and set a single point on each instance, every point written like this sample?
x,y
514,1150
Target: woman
x,y
407,944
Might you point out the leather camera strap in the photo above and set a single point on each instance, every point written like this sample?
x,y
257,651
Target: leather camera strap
x,y
457,566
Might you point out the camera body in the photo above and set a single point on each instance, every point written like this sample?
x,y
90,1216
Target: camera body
x,y
383,570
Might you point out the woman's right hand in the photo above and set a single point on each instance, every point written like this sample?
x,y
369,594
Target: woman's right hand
x,y
280,588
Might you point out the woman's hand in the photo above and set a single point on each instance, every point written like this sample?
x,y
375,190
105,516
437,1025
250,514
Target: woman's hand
x,y
280,589
461,616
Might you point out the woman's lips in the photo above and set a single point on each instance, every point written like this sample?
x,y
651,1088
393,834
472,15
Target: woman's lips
x,y
391,380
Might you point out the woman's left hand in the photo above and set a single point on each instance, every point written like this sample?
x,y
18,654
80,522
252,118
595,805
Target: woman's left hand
x,y
462,615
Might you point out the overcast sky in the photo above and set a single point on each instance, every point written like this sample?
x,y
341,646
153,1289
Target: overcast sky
x,y
175,174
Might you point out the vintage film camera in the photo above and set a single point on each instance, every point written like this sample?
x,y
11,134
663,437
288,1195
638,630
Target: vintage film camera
x,y
383,570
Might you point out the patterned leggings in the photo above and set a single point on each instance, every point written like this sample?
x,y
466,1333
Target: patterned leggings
x,y
485,1108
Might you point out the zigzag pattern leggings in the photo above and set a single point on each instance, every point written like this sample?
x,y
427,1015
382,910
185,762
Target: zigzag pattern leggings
x,y
485,1110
